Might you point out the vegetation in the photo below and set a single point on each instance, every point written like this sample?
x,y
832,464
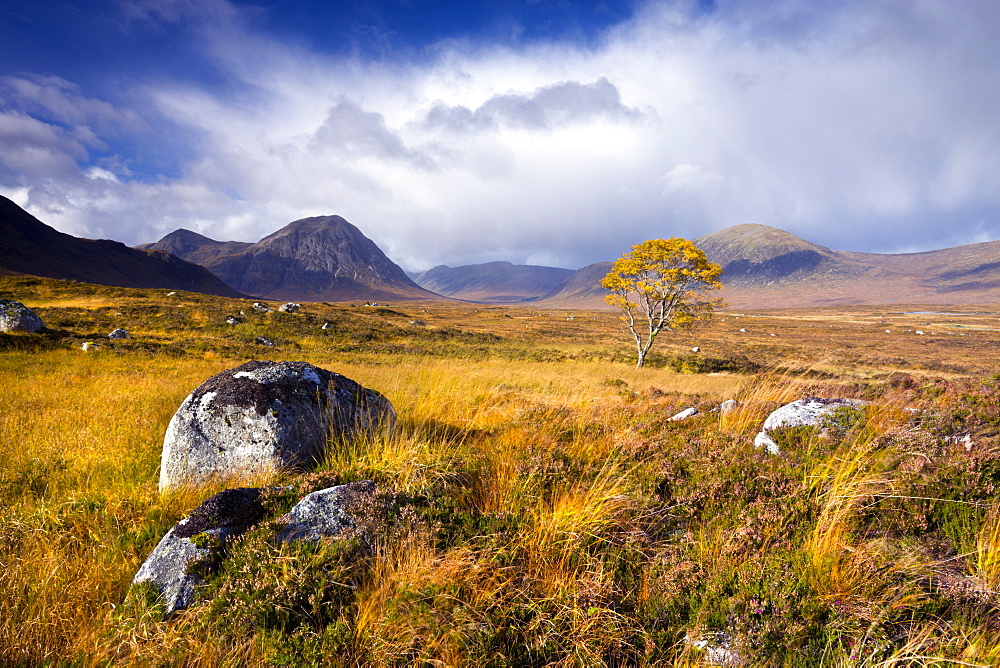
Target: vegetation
x,y
670,278
539,505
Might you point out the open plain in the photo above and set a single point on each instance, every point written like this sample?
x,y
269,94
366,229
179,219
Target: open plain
x,y
540,507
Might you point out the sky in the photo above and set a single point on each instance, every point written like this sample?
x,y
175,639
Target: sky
x,y
538,132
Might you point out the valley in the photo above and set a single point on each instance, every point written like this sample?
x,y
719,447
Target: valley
x,y
540,504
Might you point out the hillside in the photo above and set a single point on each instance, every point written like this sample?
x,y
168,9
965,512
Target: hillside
x,y
29,246
493,282
766,267
323,258
194,247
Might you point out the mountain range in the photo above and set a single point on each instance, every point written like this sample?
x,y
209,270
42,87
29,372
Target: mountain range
x,y
766,267
29,246
325,258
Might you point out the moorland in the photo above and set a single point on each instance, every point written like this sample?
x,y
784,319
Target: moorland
x,y
541,508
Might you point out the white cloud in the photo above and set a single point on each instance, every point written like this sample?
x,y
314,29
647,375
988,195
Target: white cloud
x,y
865,125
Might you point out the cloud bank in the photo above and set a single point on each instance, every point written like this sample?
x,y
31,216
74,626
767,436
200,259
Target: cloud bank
x,y
862,126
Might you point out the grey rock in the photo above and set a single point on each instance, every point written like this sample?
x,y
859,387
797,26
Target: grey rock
x,y
418,323
718,649
265,416
88,346
290,307
197,540
696,349
684,414
16,317
119,334
261,308
233,320
808,412
264,341
328,513
327,325
728,406
762,440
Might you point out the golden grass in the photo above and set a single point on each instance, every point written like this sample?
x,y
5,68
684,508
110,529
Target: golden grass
x,y
559,461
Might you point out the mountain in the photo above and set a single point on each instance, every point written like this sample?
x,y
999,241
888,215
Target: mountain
x,y
493,282
766,267
324,258
29,246
194,247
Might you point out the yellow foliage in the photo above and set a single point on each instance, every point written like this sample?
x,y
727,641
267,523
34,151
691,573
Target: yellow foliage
x,y
670,279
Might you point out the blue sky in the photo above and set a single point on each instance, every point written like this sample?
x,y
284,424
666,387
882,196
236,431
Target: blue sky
x,y
553,133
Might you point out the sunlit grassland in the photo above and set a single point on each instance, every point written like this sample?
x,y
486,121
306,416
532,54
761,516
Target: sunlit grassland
x,y
542,509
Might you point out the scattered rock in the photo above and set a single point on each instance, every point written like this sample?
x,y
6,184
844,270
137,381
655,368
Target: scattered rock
x,y
762,440
696,349
718,649
197,540
88,346
16,317
290,307
261,308
327,325
171,294
233,320
418,323
328,513
743,331
264,341
119,334
807,412
685,414
265,416
728,406
919,332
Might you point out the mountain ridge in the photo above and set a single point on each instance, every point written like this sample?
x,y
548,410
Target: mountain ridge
x,y
29,246
320,258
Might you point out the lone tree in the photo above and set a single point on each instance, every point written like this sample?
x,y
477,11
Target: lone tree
x,y
670,278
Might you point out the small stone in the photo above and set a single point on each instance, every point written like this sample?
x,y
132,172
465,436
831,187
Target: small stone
x,y
119,334
696,349
743,331
264,341
728,406
290,307
16,317
327,325
233,320
88,346
684,414
418,323
762,440
171,294
261,308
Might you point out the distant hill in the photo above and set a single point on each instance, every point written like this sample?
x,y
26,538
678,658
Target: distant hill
x,y
323,258
29,246
194,247
766,267
770,268
493,282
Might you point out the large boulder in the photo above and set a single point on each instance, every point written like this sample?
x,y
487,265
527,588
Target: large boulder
x,y
809,412
175,566
16,317
264,416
